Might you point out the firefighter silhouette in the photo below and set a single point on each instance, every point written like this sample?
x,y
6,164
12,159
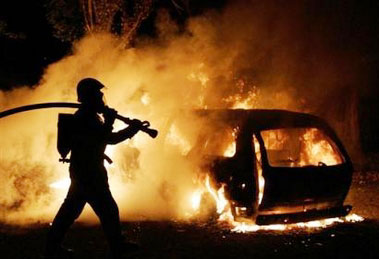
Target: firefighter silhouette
x,y
86,136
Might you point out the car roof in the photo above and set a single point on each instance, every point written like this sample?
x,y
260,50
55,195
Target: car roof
x,y
261,119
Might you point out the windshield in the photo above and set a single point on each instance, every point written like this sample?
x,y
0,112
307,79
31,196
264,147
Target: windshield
x,y
298,147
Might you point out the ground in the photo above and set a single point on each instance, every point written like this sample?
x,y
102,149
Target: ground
x,y
170,239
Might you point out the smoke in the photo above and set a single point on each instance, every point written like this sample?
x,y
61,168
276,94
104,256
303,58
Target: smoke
x,y
250,54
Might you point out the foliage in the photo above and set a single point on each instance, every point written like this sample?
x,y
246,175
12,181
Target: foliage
x,y
66,19
71,19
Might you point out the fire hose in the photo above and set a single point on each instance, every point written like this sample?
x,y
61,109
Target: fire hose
x,y
145,128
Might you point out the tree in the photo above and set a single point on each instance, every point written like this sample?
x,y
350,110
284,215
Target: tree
x,y
71,19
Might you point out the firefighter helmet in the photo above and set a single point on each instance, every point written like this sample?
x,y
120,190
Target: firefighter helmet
x,y
88,88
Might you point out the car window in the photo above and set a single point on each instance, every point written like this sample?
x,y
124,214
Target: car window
x,y
298,147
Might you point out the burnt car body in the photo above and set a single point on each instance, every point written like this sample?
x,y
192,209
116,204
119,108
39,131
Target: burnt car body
x,y
270,148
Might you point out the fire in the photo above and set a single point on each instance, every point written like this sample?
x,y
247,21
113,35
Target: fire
x,y
218,195
61,184
145,99
313,149
261,180
216,62
297,147
149,179
175,138
230,149
318,149
196,199
242,227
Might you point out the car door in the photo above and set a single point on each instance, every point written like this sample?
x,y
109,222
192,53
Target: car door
x,y
302,167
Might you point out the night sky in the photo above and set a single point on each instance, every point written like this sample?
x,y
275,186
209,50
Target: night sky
x,y
27,44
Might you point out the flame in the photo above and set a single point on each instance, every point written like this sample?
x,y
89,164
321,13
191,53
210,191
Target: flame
x,y
247,100
219,196
230,149
315,147
318,149
196,199
145,99
174,137
149,179
242,227
300,147
61,184
261,180
155,79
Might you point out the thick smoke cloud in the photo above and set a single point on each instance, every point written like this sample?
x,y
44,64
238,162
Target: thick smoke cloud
x,y
251,54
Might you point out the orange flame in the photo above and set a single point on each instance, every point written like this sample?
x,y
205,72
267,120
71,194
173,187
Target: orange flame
x,y
297,147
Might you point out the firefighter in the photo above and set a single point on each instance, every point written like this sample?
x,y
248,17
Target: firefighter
x,y
89,180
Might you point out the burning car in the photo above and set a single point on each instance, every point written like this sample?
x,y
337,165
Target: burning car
x,y
276,166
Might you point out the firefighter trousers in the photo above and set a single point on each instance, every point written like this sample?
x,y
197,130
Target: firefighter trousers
x,y
100,199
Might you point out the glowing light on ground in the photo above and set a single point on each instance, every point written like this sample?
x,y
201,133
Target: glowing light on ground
x,y
242,227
